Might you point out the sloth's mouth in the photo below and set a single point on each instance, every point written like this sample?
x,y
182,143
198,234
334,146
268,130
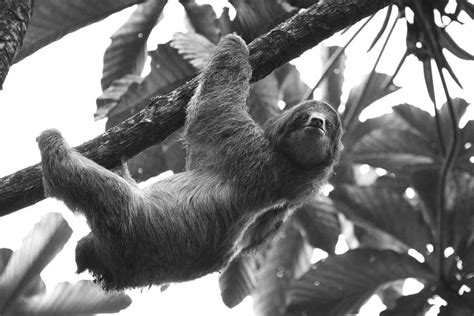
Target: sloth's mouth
x,y
320,129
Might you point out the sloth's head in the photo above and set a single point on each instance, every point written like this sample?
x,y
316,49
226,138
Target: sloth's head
x,y
309,134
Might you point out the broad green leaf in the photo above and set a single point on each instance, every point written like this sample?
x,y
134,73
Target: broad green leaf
x,y
395,150
238,279
461,216
291,87
340,284
5,255
320,223
411,305
126,54
52,19
417,119
14,19
168,71
357,132
384,209
80,298
288,258
369,90
203,19
263,99
254,18
40,246
194,47
114,93
331,86
466,151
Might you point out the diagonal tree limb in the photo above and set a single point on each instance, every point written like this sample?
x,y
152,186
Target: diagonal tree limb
x,y
165,114
15,16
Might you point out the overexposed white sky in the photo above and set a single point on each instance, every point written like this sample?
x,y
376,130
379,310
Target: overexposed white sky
x,y
57,87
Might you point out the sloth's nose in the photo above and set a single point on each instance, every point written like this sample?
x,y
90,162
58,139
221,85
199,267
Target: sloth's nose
x,y
317,121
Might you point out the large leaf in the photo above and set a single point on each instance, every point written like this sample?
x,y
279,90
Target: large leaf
x,y
411,305
40,246
238,279
254,18
340,284
14,19
80,298
291,87
126,54
194,47
461,215
52,19
395,150
288,258
467,149
203,19
384,209
168,71
368,91
319,220
331,87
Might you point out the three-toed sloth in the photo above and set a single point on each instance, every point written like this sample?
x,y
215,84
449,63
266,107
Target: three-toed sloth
x,y
240,182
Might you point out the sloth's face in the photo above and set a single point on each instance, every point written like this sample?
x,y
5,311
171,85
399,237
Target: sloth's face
x,y
309,134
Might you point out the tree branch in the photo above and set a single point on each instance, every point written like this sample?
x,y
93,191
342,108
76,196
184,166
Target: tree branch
x,y
165,114
15,16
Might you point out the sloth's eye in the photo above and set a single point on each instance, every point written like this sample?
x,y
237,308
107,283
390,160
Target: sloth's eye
x,y
304,118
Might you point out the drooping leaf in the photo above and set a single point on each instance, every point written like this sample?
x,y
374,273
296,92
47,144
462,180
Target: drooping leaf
x,y
114,94
320,223
52,19
340,284
238,279
394,150
466,152
254,18
194,47
40,246
149,163
384,209
174,152
364,94
357,132
80,298
5,255
411,305
126,54
291,87
14,19
263,99
331,86
288,258
417,119
425,183
461,216
203,19
168,71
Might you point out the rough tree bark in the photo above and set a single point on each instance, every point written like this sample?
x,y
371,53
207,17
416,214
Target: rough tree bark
x,y
165,114
15,16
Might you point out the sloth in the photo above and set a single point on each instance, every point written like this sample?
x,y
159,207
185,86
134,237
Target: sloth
x,y
240,183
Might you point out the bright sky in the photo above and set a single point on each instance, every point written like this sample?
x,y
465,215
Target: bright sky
x,y
57,87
